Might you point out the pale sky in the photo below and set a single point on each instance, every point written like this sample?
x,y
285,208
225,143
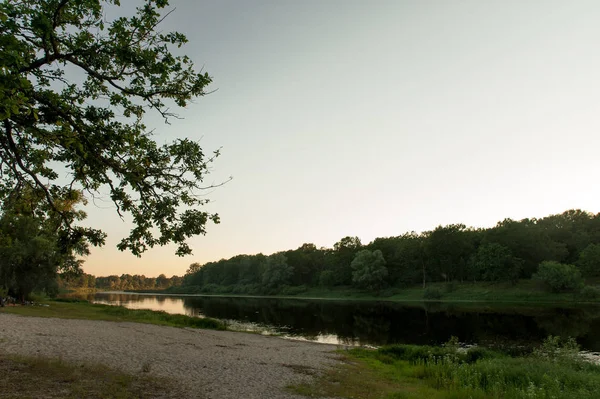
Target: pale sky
x,y
375,118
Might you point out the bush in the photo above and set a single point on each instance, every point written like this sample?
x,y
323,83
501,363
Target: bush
x,y
559,277
449,287
209,288
71,300
554,348
553,371
589,261
475,354
590,293
432,293
287,290
416,353
390,292
425,354
326,278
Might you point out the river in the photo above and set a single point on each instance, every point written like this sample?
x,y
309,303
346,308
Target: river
x,y
378,323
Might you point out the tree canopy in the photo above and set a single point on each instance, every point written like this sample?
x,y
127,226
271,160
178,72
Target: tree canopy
x,y
74,91
504,253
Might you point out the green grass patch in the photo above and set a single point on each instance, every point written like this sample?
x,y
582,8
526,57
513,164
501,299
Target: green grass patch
x,y
407,371
70,309
524,291
32,377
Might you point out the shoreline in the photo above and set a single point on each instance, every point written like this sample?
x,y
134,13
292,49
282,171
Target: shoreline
x,y
208,363
519,302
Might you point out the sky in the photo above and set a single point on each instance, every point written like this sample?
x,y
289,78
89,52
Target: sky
x,y
351,118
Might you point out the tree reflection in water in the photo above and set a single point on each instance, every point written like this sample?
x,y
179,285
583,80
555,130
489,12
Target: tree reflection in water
x,y
379,323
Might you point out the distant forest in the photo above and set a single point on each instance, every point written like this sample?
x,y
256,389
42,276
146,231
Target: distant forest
x,y
119,283
561,250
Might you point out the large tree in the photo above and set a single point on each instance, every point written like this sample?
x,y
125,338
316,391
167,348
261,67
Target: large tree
x,y
33,249
74,90
369,270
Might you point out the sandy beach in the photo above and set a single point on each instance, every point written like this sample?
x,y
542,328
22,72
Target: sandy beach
x,y
205,363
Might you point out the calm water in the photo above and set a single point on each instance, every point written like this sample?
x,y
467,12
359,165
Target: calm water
x,y
378,323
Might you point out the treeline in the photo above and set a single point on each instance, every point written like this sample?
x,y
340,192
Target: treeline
x,y
119,283
511,250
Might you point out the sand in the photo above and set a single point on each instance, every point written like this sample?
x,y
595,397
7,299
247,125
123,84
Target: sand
x,y
205,363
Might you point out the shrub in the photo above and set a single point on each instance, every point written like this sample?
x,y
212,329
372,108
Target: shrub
x,y
390,292
590,293
589,261
449,286
209,288
475,354
326,278
554,348
71,300
432,293
559,277
287,290
416,353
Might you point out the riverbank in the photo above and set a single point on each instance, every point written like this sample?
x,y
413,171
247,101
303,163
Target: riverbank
x,y
554,370
200,363
204,363
79,309
525,292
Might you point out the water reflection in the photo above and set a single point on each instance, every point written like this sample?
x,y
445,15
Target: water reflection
x,y
378,323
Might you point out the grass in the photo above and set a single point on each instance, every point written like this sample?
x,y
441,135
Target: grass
x,y
76,309
525,291
33,377
406,371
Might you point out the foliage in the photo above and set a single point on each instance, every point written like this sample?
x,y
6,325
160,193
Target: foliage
x,y
452,254
369,270
74,91
494,262
448,249
432,293
408,371
33,250
559,277
556,349
326,278
277,271
123,282
589,261
340,258
590,293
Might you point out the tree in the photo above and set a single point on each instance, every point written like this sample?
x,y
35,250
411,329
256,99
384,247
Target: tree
x,y
527,240
448,248
589,261
74,90
307,261
277,271
341,257
33,249
559,277
369,270
494,262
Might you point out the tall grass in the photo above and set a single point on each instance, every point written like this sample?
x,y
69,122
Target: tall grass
x,y
513,377
554,370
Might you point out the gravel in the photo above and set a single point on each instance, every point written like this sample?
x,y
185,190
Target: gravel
x,y
206,364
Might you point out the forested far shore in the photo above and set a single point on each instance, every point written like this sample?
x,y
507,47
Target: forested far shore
x,y
123,282
561,252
